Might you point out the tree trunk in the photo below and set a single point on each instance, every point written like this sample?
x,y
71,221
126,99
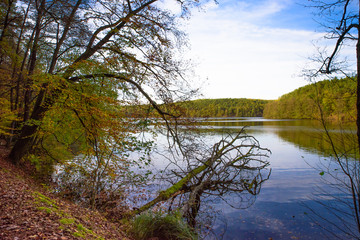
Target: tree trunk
x,y
6,20
33,60
357,204
20,80
24,144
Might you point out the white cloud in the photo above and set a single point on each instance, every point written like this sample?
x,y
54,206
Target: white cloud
x,y
240,57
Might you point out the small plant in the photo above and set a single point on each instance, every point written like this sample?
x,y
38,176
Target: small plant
x,y
162,226
43,165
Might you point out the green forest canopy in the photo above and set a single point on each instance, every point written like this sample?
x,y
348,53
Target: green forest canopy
x,y
224,107
336,98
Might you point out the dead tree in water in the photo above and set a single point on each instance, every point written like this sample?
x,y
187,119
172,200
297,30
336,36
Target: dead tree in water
x,y
231,166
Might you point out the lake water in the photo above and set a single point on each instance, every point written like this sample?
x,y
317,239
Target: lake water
x,y
290,204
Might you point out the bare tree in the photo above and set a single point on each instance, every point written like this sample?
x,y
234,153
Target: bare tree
x,y
235,165
341,176
341,20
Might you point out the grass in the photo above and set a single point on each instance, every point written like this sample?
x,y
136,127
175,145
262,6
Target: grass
x,y
162,226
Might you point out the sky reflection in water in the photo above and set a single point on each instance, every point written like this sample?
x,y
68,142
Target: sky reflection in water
x,y
281,210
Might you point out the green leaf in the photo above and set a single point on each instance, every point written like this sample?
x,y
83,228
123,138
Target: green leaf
x,y
322,173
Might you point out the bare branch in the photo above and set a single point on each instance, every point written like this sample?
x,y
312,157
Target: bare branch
x,y
328,61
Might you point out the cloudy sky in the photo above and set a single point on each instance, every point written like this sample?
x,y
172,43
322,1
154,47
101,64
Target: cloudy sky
x,y
252,49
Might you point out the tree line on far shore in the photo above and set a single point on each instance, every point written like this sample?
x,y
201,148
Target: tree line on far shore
x,y
335,99
224,107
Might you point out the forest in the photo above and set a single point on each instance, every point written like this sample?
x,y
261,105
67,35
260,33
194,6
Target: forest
x,y
227,107
336,98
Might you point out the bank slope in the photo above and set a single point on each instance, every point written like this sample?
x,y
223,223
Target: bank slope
x,y
29,211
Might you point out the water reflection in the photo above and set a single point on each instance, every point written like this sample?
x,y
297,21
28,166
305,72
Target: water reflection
x,y
230,168
279,211
305,134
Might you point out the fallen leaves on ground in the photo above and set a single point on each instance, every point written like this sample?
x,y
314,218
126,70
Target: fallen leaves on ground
x,y
29,211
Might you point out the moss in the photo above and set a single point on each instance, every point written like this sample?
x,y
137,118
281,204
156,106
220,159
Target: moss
x,y
62,213
84,232
166,194
80,227
42,198
67,221
78,234
47,210
177,186
80,230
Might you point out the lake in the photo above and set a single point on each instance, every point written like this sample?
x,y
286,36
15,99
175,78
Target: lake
x,y
291,204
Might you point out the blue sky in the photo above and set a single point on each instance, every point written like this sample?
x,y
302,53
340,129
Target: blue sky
x,y
279,13
253,48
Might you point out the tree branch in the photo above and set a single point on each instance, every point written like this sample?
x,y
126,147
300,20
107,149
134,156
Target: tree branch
x,y
132,82
328,61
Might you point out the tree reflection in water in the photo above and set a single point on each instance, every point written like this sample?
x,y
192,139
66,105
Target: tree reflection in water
x,y
232,170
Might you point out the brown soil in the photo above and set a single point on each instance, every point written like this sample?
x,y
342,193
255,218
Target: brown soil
x,y
28,210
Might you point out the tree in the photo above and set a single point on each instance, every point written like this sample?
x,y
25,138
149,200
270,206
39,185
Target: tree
x,y
336,96
74,43
341,174
235,165
341,18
